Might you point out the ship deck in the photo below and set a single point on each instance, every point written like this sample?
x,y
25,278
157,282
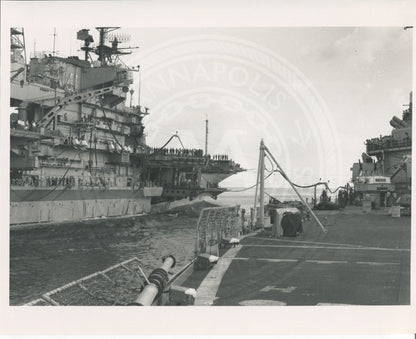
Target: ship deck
x,y
362,259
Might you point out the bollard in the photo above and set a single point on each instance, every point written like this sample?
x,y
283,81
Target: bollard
x,y
158,280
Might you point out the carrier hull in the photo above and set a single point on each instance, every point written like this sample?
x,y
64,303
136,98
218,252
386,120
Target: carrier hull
x,y
68,204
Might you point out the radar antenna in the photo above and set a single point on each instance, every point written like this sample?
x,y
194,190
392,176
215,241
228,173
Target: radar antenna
x,y
106,54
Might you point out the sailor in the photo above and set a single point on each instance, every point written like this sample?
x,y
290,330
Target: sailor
x,y
251,217
324,196
341,198
388,199
243,218
393,198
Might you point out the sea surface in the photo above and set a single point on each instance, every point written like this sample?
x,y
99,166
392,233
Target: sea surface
x,y
245,198
45,258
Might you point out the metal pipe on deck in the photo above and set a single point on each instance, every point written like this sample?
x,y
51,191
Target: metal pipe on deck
x,y
158,281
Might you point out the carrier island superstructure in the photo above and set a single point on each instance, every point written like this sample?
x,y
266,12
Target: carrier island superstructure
x,y
386,166
78,151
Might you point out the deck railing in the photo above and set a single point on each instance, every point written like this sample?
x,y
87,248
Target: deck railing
x,y
216,224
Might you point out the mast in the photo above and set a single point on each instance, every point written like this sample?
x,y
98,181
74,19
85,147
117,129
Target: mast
x,y
55,85
54,37
254,218
18,50
100,51
206,137
260,176
282,172
140,82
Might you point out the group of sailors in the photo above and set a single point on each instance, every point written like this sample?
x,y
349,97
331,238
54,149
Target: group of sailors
x,y
345,197
184,152
115,147
23,125
31,125
222,157
388,141
50,181
80,181
103,123
112,146
64,181
390,199
177,151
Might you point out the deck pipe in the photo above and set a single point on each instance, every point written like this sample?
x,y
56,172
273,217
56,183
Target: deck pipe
x,y
158,281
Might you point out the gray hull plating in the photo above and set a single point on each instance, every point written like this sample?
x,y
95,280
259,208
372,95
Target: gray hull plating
x,y
72,210
45,206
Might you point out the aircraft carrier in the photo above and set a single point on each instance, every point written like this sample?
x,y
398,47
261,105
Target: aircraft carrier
x,y
78,148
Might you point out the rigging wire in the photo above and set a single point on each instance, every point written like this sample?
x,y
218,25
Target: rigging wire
x,y
319,183
272,170
169,140
108,124
296,185
271,196
247,188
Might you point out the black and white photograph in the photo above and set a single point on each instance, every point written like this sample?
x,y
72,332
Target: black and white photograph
x,y
205,165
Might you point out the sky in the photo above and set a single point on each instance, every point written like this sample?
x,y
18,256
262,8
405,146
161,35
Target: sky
x,y
314,94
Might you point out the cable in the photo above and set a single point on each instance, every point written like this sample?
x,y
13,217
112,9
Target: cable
x,y
339,187
272,170
246,189
53,189
109,126
273,197
180,141
57,155
296,185
167,142
313,185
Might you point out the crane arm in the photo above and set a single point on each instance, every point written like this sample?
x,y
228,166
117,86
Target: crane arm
x,y
73,99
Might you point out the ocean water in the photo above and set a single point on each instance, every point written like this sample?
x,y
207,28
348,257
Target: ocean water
x,y
42,259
